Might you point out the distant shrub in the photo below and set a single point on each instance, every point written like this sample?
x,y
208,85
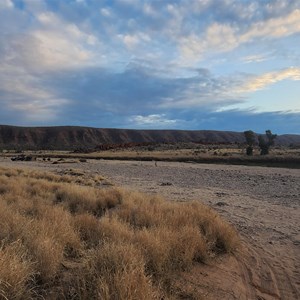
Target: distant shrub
x,y
266,144
250,139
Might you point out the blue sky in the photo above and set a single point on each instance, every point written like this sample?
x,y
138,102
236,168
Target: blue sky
x,y
185,64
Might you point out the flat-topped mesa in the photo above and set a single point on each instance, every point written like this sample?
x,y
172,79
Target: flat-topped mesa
x,y
72,137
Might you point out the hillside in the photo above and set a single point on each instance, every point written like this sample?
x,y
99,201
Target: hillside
x,y
71,137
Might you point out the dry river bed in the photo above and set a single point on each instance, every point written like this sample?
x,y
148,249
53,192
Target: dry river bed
x,y
262,203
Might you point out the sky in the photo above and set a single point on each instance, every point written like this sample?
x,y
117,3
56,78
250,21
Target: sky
x,y
186,64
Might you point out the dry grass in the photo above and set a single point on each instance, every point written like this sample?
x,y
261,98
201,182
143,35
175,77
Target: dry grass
x,y
285,157
59,240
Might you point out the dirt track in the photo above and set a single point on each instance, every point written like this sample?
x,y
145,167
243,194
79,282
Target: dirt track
x,y
262,203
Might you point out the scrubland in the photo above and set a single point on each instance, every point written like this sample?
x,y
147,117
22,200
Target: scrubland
x,y
63,239
231,154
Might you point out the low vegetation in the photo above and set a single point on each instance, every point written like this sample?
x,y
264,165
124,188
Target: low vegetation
x,y
265,145
234,154
64,240
250,140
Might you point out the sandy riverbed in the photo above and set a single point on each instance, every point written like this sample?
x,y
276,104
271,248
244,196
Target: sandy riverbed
x,y
262,203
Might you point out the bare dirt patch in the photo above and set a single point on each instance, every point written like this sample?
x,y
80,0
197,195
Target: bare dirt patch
x,y
262,203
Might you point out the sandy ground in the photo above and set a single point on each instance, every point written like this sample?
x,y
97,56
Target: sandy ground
x,y
262,203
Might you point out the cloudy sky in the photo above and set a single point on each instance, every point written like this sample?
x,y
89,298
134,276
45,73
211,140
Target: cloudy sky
x,y
185,64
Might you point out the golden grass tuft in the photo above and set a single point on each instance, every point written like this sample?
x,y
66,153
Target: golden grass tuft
x,y
81,199
79,242
117,270
16,272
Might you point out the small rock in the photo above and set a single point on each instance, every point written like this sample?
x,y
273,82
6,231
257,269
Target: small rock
x,y
166,184
221,203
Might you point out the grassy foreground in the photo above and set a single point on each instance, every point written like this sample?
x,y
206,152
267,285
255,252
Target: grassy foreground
x,y
62,240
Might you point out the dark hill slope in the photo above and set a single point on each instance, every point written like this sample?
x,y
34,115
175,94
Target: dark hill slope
x,y
70,137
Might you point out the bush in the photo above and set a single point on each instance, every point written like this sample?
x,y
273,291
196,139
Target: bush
x,y
265,145
250,139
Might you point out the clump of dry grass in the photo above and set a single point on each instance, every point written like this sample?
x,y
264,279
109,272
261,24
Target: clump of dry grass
x,y
80,199
16,272
118,272
78,242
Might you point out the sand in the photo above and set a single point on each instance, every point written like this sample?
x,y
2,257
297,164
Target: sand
x,y
262,203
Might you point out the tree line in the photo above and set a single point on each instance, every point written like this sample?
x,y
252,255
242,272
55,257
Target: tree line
x,y
264,143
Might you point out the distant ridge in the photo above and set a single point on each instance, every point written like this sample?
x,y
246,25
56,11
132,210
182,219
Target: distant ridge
x,y
72,137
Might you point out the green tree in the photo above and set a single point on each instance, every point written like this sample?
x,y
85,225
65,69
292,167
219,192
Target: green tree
x,y
265,145
250,139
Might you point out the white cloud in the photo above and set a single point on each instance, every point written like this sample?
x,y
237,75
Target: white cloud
x,y
220,37
148,10
4,4
155,119
133,40
57,51
255,58
217,38
262,81
275,27
62,45
25,94
105,12
217,93
130,40
55,45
